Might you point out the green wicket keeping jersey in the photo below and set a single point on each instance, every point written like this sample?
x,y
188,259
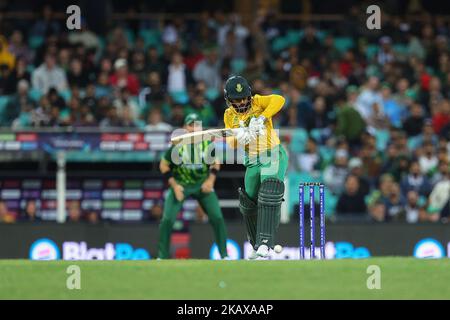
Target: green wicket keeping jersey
x,y
190,163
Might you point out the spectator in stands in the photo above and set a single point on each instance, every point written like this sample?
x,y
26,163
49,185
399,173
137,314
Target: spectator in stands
x,y
335,174
414,210
415,180
309,160
208,69
103,87
124,100
178,76
6,57
310,46
49,75
177,115
138,66
112,119
157,93
73,212
355,167
386,53
85,37
377,199
76,75
90,100
19,48
101,111
170,33
442,171
5,215
318,117
427,134
368,97
439,201
155,121
154,63
55,99
351,201
349,122
156,211
123,79
414,123
231,39
371,157
441,117
203,108
428,161
47,24
401,143
19,73
393,110
30,212
193,56
127,118
20,102
377,120
93,217
395,204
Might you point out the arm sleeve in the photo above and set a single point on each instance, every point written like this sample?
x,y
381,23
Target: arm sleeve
x,y
167,156
271,104
231,141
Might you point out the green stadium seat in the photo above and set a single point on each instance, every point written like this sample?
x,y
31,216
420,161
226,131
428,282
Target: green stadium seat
x,y
371,51
298,140
382,138
327,154
331,201
400,49
414,142
140,124
211,94
293,37
30,68
35,94
238,65
130,35
3,103
343,43
316,134
151,37
102,41
321,35
280,44
66,94
180,97
35,42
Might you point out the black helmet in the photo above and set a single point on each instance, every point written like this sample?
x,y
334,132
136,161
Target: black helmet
x,y
236,88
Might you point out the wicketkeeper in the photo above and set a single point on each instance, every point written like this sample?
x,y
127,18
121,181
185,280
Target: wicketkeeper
x,y
266,161
190,172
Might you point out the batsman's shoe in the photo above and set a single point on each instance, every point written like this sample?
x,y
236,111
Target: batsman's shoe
x,y
252,255
263,251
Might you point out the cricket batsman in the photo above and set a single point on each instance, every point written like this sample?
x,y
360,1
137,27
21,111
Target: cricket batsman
x,y
266,161
188,172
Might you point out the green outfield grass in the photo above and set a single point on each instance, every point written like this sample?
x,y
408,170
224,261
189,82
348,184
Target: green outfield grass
x,y
401,278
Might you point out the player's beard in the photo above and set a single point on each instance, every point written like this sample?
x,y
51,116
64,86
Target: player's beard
x,y
242,107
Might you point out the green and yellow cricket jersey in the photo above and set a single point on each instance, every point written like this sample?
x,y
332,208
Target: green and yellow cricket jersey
x,y
266,106
190,163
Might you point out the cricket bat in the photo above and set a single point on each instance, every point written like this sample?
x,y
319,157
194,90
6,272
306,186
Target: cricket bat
x,y
198,136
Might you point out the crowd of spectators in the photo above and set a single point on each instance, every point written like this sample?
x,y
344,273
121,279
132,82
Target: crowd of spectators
x,y
374,106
